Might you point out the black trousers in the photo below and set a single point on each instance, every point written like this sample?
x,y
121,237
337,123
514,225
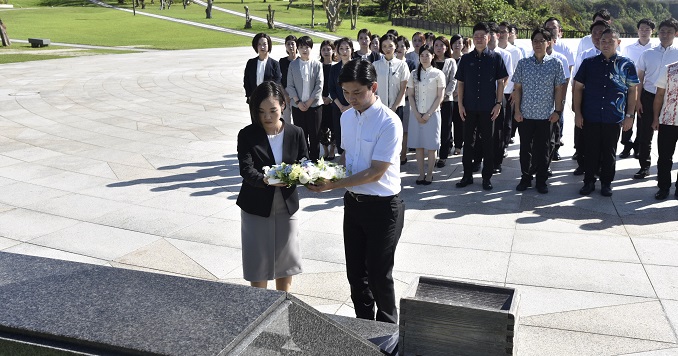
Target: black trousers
x,y
626,138
580,146
644,130
336,123
535,138
445,129
458,126
498,137
481,122
371,233
666,145
601,151
510,123
310,121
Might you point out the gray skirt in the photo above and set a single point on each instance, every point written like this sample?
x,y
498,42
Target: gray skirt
x,y
426,136
270,248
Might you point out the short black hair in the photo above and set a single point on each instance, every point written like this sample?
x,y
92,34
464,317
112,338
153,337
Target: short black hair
x,y
262,92
257,37
365,31
669,23
456,38
346,40
505,24
494,28
305,41
645,21
481,26
602,13
393,32
358,70
387,37
406,42
613,31
599,23
552,19
428,35
548,36
291,38
513,28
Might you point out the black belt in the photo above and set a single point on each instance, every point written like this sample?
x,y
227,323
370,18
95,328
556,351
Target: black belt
x,y
364,198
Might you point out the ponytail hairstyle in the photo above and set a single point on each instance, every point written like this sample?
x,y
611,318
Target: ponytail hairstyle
x,y
423,48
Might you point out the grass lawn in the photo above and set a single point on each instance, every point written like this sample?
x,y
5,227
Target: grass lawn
x,y
22,52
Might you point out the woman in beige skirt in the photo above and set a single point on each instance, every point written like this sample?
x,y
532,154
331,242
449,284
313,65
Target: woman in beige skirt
x,y
269,228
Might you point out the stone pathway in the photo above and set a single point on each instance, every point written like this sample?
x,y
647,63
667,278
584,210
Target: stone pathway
x,y
136,168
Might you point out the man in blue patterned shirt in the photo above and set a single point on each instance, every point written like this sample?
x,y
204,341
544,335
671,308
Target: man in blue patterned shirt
x,y
604,100
538,96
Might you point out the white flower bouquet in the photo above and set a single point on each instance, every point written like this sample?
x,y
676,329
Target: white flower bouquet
x,y
304,172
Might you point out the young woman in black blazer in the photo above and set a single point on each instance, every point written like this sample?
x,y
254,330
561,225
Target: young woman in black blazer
x,y
271,68
269,226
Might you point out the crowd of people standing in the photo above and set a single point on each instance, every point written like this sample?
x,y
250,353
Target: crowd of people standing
x,y
440,97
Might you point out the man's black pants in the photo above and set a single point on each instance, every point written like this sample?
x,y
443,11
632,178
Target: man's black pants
x,y
535,137
445,129
482,122
666,145
644,130
601,150
372,228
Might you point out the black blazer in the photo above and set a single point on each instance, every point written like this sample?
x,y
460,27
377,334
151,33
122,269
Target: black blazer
x,y
271,72
254,152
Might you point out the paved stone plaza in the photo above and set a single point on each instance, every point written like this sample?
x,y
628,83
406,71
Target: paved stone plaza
x,y
130,161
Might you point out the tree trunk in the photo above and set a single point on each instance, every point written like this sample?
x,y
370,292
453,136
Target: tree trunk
x,y
353,12
208,10
332,8
270,18
312,13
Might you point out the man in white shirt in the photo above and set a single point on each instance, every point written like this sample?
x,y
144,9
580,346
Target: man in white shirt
x,y
649,66
558,129
373,211
512,36
510,125
633,51
553,24
587,42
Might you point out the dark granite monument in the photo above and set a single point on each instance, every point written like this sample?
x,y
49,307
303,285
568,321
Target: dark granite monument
x,y
442,317
39,42
53,307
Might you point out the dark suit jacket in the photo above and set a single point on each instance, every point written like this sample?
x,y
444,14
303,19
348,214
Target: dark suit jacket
x,y
271,72
254,152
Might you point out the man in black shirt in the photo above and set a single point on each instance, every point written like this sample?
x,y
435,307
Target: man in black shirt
x,y
481,77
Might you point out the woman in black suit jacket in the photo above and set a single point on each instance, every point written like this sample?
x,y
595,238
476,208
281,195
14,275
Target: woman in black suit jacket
x,y
271,68
270,249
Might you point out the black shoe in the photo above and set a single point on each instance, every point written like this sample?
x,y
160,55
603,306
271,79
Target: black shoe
x,y
575,156
440,163
626,153
476,167
487,185
662,194
523,185
587,189
464,182
579,171
556,156
543,189
549,172
420,181
512,141
641,174
497,169
605,190
427,182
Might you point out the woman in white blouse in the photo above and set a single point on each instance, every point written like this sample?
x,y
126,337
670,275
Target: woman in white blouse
x,y
305,87
392,76
425,91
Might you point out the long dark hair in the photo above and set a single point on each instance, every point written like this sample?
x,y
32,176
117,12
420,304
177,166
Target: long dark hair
x,y
265,90
334,51
448,51
423,48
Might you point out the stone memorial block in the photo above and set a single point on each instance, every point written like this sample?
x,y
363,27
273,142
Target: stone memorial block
x,y
53,307
443,317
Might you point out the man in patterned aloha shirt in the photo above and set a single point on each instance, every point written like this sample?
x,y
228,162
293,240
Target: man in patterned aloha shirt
x,y
604,98
666,121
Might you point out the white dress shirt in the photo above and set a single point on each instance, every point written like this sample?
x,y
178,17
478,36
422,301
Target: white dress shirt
x,y
306,77
634,50
565,51
516,55
652,61
374,135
